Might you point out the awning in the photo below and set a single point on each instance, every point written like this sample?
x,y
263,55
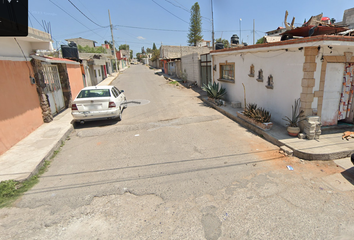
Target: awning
x,y
54,60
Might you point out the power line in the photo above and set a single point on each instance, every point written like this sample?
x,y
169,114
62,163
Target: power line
x,y
85,15
156,29
170,12
75,18
185,9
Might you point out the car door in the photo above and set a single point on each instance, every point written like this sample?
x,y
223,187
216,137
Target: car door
x,y
120,97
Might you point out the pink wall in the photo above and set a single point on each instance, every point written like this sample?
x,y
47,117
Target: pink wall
x,y
75,79
20,112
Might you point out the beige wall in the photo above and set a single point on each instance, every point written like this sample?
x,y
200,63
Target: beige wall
x,y
20,112
75,79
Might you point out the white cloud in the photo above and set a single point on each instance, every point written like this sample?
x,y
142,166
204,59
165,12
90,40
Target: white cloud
x,y
140,37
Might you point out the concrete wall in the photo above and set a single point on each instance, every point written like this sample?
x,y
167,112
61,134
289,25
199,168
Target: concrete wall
x,y
98,70
191,68
20,110
75,79
348,17
286,69
170,52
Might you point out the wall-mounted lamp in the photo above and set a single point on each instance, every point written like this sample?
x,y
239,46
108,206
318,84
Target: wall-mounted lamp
x,y
329,47
300,48
214,68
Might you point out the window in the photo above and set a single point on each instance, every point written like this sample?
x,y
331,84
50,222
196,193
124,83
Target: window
x,y
260,76
227,72
94,93
116,90
270,83
251,71
99,72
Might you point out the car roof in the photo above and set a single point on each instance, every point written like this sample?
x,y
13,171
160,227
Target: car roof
x,y
97,87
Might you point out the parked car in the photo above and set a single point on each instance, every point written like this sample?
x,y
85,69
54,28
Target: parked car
x,y
97,103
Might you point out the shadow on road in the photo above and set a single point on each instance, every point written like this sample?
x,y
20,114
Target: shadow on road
x,y
349,175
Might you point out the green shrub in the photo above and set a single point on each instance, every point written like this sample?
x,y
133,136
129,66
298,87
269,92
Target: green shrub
x,y
214,90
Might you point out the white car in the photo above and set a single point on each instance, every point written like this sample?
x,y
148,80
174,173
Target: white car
x,y
98,102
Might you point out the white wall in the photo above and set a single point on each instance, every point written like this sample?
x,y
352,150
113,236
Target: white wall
x,y
9,48
98,70
286,67
191,67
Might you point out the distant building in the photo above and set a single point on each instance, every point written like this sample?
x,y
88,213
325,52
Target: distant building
x,y
82,42
348,18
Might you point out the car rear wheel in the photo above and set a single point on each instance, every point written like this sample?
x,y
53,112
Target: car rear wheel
x,y
120,115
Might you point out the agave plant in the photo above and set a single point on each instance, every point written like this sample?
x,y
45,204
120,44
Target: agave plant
x,y
296,114
258,114
214,90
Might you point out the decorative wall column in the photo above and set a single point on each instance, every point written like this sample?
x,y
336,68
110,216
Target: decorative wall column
x,y
308,80
43,98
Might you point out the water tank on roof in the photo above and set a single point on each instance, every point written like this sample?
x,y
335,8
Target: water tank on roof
x,y
219,45
70,51
235,39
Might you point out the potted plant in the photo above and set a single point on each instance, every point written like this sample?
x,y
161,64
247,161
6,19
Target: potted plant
x,y
292,123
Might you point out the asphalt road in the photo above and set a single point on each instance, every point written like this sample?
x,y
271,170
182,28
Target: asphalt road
x,y
174,168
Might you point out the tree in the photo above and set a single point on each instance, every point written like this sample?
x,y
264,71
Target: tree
x,y
148,50
153,46
124,47
138,56
260,41
224,41
195,28
131,54
155,55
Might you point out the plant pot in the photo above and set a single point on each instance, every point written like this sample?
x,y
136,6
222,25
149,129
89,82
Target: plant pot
x,y
293,131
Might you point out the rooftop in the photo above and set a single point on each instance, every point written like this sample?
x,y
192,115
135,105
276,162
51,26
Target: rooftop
x,y
318,38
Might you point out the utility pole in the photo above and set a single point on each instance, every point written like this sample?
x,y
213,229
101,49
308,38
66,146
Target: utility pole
x,y
114,47
240,31
253,31
212,25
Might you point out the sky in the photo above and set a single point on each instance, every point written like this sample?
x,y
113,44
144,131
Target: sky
x,y
140,23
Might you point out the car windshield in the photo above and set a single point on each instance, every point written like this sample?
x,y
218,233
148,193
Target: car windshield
x,y
94,93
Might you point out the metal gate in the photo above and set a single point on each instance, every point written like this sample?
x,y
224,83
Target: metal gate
x,y
205,68
53,88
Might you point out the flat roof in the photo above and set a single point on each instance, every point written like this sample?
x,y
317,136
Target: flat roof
x,y
290,42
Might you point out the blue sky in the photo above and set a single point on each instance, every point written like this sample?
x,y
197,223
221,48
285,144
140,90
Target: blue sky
x,y
140,23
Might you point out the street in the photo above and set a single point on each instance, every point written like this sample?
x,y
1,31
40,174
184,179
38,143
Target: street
x,y
174,168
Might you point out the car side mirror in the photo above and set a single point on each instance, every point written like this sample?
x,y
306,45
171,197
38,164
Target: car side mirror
x,y
121,90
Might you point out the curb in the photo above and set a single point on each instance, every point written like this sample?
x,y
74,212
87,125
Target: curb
x,y
49,154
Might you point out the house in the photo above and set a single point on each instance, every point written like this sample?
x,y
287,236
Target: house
x,y
319,70
203,43
182,61
82,42
31,96
123,57
95,66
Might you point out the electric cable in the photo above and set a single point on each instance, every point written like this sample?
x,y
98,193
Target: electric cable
x,y
75,18
85,15
170,12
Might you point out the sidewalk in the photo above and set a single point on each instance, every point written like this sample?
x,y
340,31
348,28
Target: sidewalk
x,y
26,157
